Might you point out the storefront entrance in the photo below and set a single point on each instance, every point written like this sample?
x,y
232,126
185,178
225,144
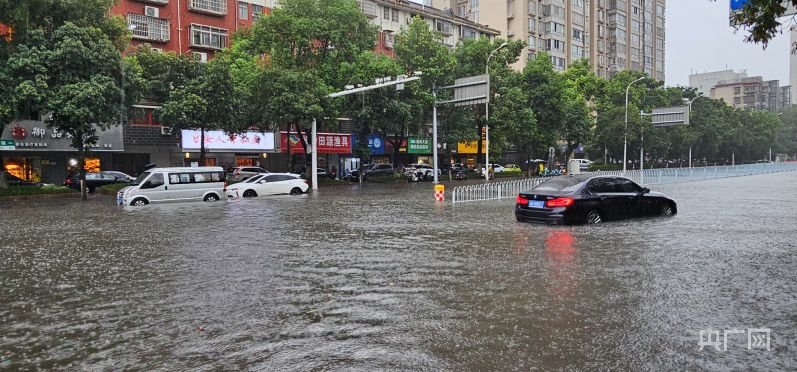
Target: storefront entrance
x,y
29,169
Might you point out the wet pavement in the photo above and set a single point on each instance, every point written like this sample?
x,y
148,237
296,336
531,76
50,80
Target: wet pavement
x,y
378,277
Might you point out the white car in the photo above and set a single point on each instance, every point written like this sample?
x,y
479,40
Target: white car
x,y
497,168
583,164
269,184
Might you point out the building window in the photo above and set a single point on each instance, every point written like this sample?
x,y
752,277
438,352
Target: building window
x,y
208,37
386,14
257,12
395,17
243,11
209,6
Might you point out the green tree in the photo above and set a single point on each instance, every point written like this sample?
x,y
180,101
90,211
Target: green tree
x,y
284,97
85,86
208,101
761,19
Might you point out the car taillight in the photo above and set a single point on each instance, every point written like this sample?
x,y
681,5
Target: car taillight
x,y
521,200
305,181
559,202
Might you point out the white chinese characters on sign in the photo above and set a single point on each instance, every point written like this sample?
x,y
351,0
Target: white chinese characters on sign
x,y
757,338
219,140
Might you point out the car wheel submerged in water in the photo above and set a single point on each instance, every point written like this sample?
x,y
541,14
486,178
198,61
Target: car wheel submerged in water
x,y
250,194
593,217
296,191
666,210
211,198
140,202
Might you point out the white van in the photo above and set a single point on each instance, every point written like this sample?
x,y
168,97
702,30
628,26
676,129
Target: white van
x,y
158,185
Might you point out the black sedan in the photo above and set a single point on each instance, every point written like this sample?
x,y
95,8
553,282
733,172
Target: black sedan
x,y
590,199
94,180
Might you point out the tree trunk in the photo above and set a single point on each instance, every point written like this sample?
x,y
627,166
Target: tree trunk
x,y
202,147
3,181
288,148
308,171
82,165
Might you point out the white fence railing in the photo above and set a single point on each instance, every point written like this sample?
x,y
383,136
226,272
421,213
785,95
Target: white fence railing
x,y
510,189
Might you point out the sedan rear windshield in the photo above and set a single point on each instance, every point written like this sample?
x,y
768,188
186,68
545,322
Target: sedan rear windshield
x,y
565,184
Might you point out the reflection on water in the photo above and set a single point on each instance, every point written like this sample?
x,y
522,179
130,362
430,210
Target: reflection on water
x,y
380,277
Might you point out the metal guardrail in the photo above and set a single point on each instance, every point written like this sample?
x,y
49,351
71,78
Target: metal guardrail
x,y
510,189
493,190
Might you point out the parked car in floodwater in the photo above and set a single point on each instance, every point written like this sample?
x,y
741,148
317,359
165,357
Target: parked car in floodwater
x,y
97,179
579,199
269,184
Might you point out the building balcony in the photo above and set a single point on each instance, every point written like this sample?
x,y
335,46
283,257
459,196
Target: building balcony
x,y
149,28
155,2
445,29
369,8
214,7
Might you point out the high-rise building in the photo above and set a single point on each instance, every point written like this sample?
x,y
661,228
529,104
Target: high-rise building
x,y
199,27
703,82
615,35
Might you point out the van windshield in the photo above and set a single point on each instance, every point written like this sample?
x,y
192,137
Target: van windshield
x,y
141,177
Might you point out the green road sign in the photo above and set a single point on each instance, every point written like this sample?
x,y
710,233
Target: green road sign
x,y
7,145
417,145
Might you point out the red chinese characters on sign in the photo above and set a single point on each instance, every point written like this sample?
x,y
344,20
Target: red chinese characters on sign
x,y
328,143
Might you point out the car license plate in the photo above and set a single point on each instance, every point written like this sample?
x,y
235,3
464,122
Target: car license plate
x,y
536,204
119,200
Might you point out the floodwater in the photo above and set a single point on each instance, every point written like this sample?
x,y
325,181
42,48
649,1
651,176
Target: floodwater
x,y
379,277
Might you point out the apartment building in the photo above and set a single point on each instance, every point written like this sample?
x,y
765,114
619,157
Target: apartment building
x,y
615,35
752,93
703,82
200,27
393,15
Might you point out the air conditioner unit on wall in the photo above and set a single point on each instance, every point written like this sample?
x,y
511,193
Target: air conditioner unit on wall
x,y
151,11
201,57
166,131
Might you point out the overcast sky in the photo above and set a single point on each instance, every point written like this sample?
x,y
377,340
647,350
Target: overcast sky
x,y
700,39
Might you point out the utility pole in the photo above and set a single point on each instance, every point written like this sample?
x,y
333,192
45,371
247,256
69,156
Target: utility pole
x,y
487,118
625,132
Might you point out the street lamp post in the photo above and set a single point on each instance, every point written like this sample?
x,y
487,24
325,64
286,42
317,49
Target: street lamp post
x,y
625,132
690,113
487,118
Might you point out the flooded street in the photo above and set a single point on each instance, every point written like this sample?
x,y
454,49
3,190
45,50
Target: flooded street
x,y
378,277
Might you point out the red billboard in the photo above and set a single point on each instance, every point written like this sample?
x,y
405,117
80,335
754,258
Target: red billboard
x,y
328,143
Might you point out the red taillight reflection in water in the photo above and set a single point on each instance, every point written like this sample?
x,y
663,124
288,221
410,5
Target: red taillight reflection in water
x,y
559,244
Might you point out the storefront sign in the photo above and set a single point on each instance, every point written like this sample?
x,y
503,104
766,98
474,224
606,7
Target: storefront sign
x,y
416,145
7,145
219,141
30,135
376,144
328,143
471,147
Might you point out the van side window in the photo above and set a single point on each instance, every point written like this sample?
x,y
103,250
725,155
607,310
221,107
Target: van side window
x,y
174,178
201,177
156,180
216,177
